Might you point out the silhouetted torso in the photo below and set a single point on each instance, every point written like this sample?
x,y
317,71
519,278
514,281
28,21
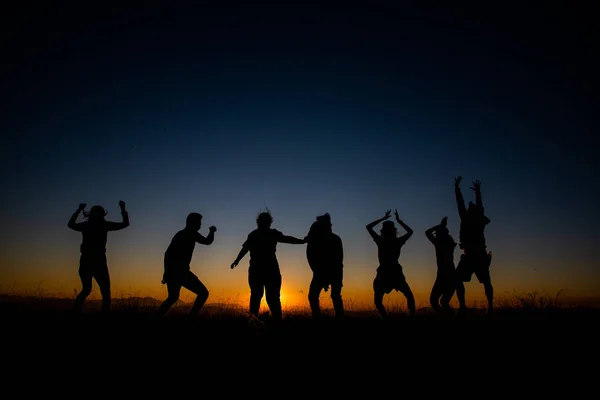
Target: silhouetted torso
x,y
388,250
94,235
180,250
324,251
444,252
472,228
262,245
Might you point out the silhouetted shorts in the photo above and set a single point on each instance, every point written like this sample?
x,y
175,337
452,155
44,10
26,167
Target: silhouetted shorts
x,y
474,262
94,265
390,278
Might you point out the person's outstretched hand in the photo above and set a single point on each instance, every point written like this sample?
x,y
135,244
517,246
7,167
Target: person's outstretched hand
x,y
396,214
212,228
457,181
444,221
234,264
476,186
122,205
388,214
81,207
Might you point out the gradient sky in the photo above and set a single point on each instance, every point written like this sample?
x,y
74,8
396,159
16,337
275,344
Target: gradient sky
x,y
305,110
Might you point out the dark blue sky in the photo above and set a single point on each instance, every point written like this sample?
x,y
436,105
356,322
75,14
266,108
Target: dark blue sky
x,y
306,109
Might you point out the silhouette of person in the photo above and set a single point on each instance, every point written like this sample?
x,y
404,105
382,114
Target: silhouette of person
x,y
264,276
92,262
177,273
389,273
475,258
445,281
325,255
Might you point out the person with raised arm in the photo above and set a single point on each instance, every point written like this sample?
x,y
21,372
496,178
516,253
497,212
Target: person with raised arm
x,y
92,262
390,275
178,256
445,281
475,258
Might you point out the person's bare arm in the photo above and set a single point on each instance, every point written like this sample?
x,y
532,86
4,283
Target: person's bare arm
x,y
430,235
115,226
239,257
409,231
291,240
371,225
460,201
244,250
73,220
209,238
477,189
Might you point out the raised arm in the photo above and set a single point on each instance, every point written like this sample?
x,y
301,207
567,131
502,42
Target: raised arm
x,y
430,235
209,238
115,226
72,221
371,225
409,231
477,189
429,232
460,201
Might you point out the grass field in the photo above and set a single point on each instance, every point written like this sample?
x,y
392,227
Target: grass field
x,y
525,337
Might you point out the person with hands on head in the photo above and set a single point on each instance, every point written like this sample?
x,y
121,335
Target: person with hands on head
x,y
177,260
264,276
92,262
390,275
325,256
445,281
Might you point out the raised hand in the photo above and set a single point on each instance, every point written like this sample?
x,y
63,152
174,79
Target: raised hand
x,y
444,221
122,205
212,228
476,186
81,207
457,181
388,214
396,214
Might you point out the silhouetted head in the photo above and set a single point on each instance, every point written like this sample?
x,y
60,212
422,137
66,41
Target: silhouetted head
x,y
388,229
324,222
474,209
193,221
264,220
96,213
441,231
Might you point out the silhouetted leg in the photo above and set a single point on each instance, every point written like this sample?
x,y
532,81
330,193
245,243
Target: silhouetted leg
x,y
483,275
336,298
273,293
489,294
460,294
314,291
173,289
194,285
448,291
103,279
378,297
463,274
257,289
410,298
434,297
85,274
